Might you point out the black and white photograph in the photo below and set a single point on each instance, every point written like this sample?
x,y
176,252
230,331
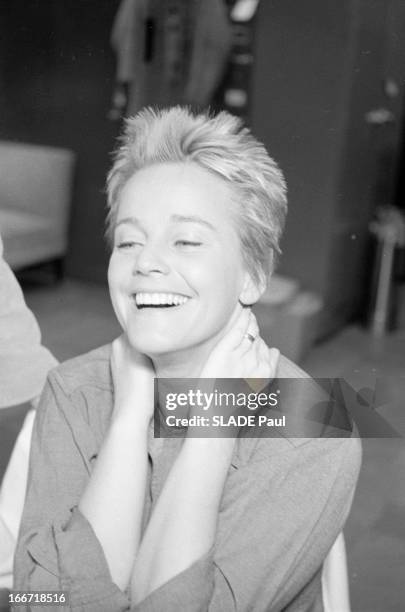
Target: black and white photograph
x,y
202,305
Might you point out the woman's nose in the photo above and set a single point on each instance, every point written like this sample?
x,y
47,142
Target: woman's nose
x,y
150,259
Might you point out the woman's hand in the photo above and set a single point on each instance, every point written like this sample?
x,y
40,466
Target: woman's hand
x,y
133,377
241,353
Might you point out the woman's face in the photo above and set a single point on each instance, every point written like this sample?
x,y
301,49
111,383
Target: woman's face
x,y
176,272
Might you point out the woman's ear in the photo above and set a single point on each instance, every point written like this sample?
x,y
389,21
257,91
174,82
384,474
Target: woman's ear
x,y
252,289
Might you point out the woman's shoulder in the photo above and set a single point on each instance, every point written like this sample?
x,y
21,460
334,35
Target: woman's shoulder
x,y
343,445
91,369
288,369
78,393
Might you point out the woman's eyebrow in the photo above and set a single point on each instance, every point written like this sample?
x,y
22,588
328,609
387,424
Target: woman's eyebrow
x,y
192,219
129,221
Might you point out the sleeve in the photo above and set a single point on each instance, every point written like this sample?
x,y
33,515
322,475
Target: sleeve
x,y
279,517
12,493
57,548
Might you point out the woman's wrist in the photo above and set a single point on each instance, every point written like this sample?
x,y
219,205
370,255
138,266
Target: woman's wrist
x,y
216,451
129,419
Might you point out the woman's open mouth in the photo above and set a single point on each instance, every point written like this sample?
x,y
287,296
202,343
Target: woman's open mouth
x,y
159,300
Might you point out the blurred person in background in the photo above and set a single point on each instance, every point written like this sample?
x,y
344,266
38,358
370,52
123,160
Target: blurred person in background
x,y
24,365
121,519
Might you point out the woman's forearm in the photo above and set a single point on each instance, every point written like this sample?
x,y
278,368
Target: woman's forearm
x,y
114,498
183,525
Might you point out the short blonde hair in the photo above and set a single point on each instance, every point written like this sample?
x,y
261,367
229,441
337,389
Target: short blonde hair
x,y
222,145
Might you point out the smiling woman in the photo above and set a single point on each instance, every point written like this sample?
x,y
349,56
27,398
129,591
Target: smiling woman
x,y
121,519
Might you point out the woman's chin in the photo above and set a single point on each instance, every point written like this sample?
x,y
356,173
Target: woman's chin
x,y
171,349
166,354
153,347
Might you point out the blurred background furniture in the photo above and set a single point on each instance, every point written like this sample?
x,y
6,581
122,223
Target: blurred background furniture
x,y
35,197
327,99
288,316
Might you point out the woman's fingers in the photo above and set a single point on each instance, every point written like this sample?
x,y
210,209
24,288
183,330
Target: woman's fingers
x,y
235,334
251,334
254,328
244,331
273,356
265,362
261,364
241,353
117,351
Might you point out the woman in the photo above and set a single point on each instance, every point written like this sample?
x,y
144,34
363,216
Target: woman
x,y
124,520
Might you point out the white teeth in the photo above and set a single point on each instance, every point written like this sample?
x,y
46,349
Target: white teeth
x,y
156,299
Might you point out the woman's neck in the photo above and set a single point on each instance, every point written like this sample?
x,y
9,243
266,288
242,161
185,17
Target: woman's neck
x,y
182,364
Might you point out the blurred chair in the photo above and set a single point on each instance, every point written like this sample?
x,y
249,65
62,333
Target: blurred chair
x,y
35,196
335,580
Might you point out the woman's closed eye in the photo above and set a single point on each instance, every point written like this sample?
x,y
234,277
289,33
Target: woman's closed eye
x,y
187,243
128,244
